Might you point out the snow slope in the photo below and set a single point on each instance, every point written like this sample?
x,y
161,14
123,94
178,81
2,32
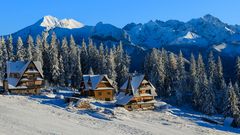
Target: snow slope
x,y
37,115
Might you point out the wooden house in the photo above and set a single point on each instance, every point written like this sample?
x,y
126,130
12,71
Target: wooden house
x,y
97,86
137,93
23,77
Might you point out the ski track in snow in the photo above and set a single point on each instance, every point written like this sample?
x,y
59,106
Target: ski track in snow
x,y
22,115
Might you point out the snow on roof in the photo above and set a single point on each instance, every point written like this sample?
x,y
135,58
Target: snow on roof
x,y
135,82
19,67
123,99
95,80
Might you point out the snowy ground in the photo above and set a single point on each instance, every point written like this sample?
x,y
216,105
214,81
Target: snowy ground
x,y
24,115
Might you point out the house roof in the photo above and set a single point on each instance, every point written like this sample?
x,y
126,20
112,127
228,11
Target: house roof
x,y
134,84
123,99
95,80
20,67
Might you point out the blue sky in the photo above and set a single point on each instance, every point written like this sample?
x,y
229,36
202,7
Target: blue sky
x,y
17,14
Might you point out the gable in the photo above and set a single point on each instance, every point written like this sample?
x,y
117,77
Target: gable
x,y
16,70
29,68
104,82
95,81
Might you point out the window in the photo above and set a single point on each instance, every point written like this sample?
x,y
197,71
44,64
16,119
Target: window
x,y
99,93
148,91
107,99
109,93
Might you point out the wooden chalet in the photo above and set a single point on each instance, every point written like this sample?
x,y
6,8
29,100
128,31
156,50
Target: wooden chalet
x,y
23,77
97,86
137,93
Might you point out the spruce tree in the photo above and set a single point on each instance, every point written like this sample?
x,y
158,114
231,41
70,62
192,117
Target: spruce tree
x,y
167,77
77,76
211,66
172,71
46,58
9,44
181,79
238,70
37,54
72,56
155,71
207,98
111,66
54,63
123,62
93,57
4,56
20,50
220,85
102,62
84,58
30,48
2,70
65,60
194,81
61,71
200,68
230,102
90,71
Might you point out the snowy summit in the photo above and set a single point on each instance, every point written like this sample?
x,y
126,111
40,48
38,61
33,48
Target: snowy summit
x,y
52,22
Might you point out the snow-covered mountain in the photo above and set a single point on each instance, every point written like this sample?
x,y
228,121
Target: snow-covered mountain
x,y
197,35
50,22
190,38
206,30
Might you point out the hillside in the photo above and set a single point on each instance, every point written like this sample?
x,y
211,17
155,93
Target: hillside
x,y
37,115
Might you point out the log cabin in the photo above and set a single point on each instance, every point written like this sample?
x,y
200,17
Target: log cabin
x,y
98,86
137,93
23,77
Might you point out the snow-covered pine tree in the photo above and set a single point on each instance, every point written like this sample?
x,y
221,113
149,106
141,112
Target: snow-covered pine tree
x,y
167,78
9,44
61,71
2,71
54,63
172,71
111,66
154,70
207,98
194,85
220,85
230,102
4,56
46,58
199,83
237,91
30,48
72,56
102,62
77,76
65,60
211,66
90,71
20,50
200,68
123,61
93,54
181,79
37,54
84,58
238,70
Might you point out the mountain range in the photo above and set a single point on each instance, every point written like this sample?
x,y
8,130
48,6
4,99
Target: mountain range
x,y
197,35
